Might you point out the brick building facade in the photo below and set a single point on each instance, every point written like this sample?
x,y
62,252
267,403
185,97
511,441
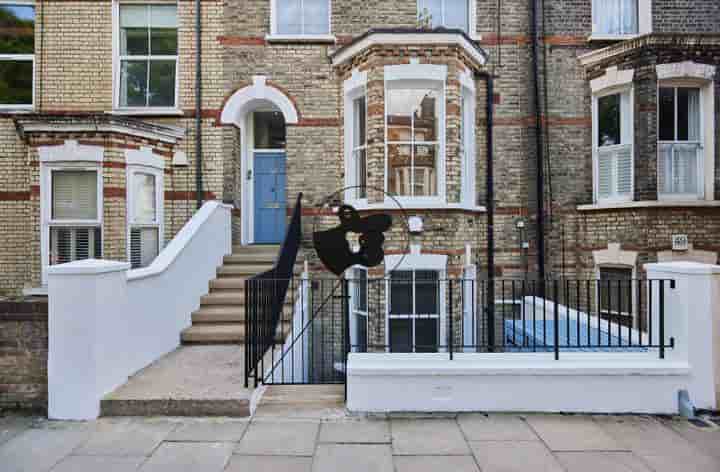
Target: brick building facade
x,y
286,78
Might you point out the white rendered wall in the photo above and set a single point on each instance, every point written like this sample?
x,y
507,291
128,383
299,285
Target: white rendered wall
x,y
599,382
106,322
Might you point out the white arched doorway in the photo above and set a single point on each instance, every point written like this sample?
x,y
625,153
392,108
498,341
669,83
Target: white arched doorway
x,y
261,112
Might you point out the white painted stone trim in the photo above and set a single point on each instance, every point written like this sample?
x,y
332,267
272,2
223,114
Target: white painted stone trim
x,y
432,72
614,256
88,267
417,261
246,99
389,204
71,151
613,78
169,134
144,157
649,204
685,70
373,39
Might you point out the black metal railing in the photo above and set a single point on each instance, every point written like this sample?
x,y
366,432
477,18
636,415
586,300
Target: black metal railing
x,y
419,312
266,295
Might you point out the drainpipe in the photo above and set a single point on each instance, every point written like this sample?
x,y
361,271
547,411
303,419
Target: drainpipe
x,y
198,106
490,207
540,178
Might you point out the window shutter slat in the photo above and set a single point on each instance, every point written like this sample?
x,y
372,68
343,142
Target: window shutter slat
x,y
74,244
624,164
605,164
74,195
144,246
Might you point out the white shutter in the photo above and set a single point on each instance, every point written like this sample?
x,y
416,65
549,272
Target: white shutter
x,y
74,195
74,244
144,246
615,171
624,170
605,174
144,205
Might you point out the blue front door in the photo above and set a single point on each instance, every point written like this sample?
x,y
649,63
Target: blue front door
x,y
270,198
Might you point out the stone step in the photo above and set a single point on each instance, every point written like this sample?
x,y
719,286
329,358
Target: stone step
x,y
227,314
257,249
251,258
220,333
232,298
247,270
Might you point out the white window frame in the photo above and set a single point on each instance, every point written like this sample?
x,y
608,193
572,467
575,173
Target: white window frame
x,y
415,261
468,189
472,17
66,157
145,162
644,23
416,75
275,35
353,88
627,133
20,58
353,303
117,62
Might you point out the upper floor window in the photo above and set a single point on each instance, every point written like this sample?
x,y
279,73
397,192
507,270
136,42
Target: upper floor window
x,y
148,52
358,151
412,139
17,54
615,17
301,17
680,160
446,13
613,146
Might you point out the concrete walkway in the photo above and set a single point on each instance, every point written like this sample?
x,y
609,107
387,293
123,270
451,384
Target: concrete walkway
x,y
329,440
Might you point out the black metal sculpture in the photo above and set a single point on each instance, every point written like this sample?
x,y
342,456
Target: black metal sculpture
x,y
334,250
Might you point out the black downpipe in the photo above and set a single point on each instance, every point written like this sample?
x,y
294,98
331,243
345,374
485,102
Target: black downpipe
x,y
490,208
539,155
198,105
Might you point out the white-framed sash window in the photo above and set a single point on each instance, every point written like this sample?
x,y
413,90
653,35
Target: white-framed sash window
x,y
145,215
451,14
615,17
358,154
146,62
359,309
300,18
613,148
17,54
680,150
414,311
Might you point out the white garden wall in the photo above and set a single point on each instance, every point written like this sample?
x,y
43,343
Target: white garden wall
x,y
106,322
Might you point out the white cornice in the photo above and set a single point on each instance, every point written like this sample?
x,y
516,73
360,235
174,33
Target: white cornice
x,y
140,129
611,79
685,70
71,151
144,157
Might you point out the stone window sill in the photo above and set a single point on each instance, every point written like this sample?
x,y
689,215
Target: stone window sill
x,y
146,112
291,38
362,205
611,37
37,291
650,204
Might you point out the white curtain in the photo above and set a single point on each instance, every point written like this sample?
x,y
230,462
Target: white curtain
x,y
74,195
693,114
144,204
615,16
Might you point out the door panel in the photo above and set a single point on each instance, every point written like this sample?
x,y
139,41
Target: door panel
x,y
270,197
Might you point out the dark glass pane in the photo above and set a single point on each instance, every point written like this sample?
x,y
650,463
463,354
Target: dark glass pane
x,y
426,334
400,335
17,29
666,121
162,84
426,292
361,125
16,82
133,84
682,114
615,290
269,130
134,42
361,339
401,293
163,41
361,276
609,120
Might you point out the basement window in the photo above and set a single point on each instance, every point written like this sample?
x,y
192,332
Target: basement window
x,y
17,55
414,311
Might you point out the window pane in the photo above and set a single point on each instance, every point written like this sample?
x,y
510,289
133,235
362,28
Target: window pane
x,y
144,246
688,114
399,158
401,335
431,8
144,196
72,244
316,16
615,289
401,104
456,14
163,41
360,128
426,292
426,334
615,16
17,29
163,16
289,17
360,282
162,84
360,338
666,108
74,195
133,84
425,183
16,82
401,293
269,130
425,125
134,21
360,163
609,120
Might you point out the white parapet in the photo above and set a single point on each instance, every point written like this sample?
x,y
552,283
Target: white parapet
x,y
106,322
599,382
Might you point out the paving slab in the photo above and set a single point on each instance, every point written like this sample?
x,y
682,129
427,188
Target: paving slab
x,y
572,433
210,430
190,381
37,450
514,456
98,464
11,426
705,439
601,462
353,458
427,437
131,437
364,431
189,457
646,435
283,438
668,463
495,427
435,464
269,464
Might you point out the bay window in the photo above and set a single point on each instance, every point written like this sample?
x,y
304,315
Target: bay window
x,y
613,146
414,311
17,54
412,139
301,17
148,56
680,158
144,206
615,17
452,14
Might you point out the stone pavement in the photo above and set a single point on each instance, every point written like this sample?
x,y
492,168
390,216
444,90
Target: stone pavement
x,y
328,440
